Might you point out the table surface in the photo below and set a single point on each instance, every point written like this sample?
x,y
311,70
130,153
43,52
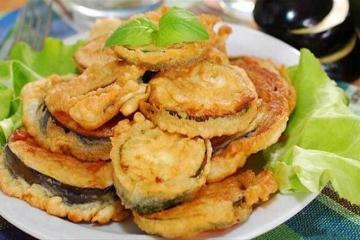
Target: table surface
x,y
327,217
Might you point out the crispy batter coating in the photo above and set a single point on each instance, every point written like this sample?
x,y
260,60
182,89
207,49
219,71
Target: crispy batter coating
x,y
104,26
98,94
206,99
204,89
100,211
151,57
155,170
278,100
156,58
63,168
50,134
94,52
216,206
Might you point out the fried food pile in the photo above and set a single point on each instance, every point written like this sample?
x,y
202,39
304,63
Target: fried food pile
x,y
161,133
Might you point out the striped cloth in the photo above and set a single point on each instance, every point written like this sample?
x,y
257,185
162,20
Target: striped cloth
x,y
327,217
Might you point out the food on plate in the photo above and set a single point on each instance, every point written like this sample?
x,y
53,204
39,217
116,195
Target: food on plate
x,y
50,134
158,121
94,52
104,26
277,98
153,55
216,206
205,99
98,94
61,185
154,169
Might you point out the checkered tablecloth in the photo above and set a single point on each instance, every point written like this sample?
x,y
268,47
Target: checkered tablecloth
x,y
327,217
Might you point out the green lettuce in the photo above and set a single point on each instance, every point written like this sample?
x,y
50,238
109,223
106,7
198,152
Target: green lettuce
x,y
54,58
322,137
27,65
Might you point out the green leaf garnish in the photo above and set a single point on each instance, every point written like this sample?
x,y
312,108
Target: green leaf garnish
x,y
54,58
323,136
176,26
28,65
137,32
179,25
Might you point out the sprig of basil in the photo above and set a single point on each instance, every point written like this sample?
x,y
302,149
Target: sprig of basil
x,y
137,32
178,25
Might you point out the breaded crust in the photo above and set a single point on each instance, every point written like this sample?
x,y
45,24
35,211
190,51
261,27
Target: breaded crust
x,y
98,94
203,89
94,52
51,135
278,100
63,168
156,58
101,211
176,122
207,99
216,206
155,170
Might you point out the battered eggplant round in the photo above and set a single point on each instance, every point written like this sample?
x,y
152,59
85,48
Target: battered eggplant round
x,y
155,170
50,134
278,100
207,99
94,52
98,94
216,206
60,185
159,58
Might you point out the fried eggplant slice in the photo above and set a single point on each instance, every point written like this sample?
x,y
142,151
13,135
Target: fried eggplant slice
x,y
155,170
94,52
159,58
50,134
104,26
216,206
278,100
206,99
98,94
60,185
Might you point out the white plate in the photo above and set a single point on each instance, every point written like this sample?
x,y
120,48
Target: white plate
x,y
266,217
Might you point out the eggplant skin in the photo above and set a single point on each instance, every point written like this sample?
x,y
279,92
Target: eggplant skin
x,y
48,133
154,169
100,211
346,69
271,17
70,194
324,42
271,14
216,206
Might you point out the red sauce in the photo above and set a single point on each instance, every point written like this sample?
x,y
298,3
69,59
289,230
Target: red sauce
x,y
18,135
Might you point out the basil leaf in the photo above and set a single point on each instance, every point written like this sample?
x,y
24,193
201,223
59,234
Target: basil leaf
x,y
179,25
137,32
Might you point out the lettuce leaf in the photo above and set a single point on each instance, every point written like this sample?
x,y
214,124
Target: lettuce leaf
x,y
54,58
322,137
28,65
